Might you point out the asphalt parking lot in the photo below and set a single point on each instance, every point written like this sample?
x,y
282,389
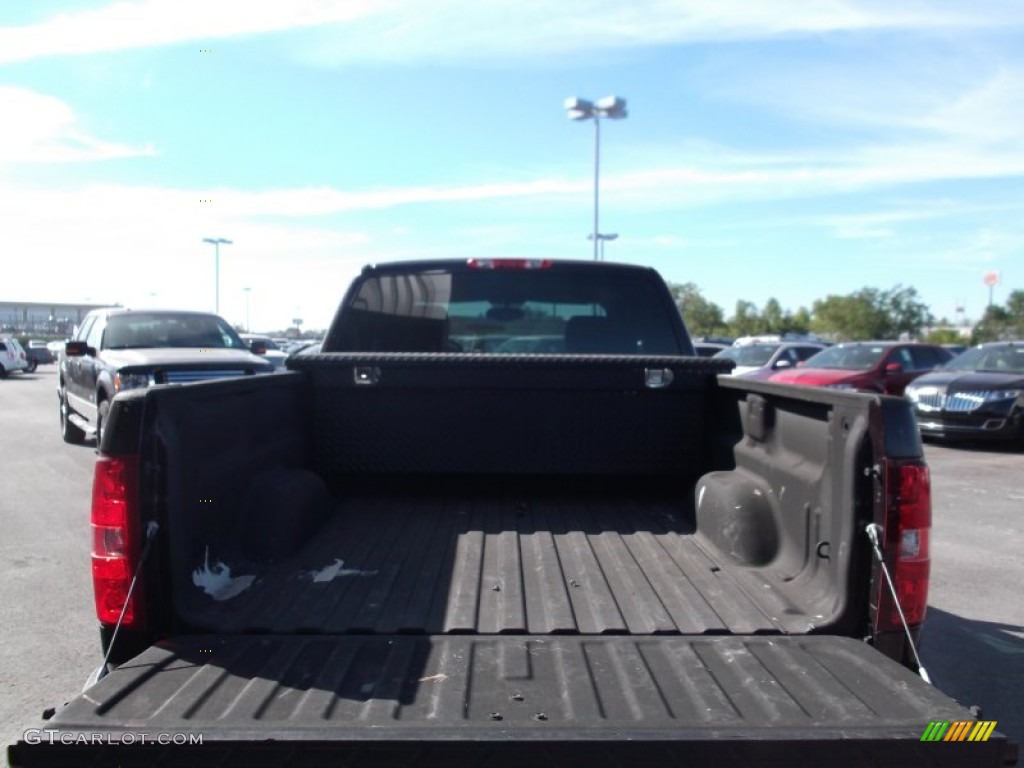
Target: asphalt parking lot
x,y
973,643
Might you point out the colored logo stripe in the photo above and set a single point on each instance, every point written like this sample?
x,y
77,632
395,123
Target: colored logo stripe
x,y
982,731
961,730
958,731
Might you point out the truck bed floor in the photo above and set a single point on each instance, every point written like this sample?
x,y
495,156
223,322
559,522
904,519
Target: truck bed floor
x,y
487,565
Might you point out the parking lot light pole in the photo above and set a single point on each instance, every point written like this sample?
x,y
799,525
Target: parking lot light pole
x,y
611,108
216,268
604,238
247,328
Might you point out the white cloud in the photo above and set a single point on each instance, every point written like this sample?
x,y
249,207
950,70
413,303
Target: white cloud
x,y
479,31
43,129
714,177
127,25
990,112
412,30
888,222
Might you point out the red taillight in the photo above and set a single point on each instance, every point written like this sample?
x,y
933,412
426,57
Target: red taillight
x,y
115,547
509,263
908,522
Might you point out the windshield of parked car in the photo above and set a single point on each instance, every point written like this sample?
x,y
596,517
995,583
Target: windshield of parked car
x,y
507,311
750,354
857,357
266,341
140,330
989,360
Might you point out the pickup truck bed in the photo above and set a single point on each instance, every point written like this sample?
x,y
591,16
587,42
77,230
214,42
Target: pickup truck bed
x,y
504,563
334,519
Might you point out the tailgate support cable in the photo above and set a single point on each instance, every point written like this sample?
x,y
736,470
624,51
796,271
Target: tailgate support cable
x,y
874,531
152,527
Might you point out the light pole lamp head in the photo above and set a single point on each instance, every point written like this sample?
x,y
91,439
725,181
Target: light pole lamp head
x,y
579,109
611,107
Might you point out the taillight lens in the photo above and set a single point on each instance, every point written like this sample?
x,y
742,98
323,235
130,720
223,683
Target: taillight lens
x,y
509,263
115,538
908,522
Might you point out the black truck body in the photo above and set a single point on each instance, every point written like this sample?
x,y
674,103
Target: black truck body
x,y
437,557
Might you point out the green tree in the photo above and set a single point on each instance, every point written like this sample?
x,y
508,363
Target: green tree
x,y
799,321
1015,310
773,319
872,314
906,313
746,320
702,317
854,317
1001,322
944,336
993,325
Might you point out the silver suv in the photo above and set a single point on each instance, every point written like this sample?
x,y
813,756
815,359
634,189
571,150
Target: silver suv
x,y
13,358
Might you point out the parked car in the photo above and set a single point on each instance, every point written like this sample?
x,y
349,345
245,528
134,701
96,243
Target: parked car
x,y
708,348
39,351
295,345
977,395
760,360
120,349
874,366
956,349
266,347
725,341
13,357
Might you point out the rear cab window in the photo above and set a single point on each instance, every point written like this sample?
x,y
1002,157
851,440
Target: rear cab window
x,y
505,311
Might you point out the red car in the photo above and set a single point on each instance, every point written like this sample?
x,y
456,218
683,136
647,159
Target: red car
x,y
874,366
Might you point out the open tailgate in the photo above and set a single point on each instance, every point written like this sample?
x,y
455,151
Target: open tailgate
x,y
414,701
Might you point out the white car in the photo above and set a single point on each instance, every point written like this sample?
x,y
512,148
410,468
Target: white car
x,y
266,349
759,360
12,357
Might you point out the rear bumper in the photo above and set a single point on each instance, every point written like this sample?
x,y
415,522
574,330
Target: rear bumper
x,y
509,700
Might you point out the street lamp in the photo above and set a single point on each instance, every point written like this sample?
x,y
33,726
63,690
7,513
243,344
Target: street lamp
x,y
248,329
216,242
604,239
611,108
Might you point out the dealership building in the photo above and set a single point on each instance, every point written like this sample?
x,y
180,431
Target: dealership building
x,y
42,317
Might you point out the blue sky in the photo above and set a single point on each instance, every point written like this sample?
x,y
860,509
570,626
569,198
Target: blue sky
x,y
779,148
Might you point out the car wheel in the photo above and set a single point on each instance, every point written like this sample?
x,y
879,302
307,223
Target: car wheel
x,y
102,411
32,365
3,372
68,431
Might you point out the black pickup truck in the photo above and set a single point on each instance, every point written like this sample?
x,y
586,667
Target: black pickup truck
x,y
601,556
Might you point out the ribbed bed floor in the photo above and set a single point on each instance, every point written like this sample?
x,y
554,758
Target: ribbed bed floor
x,y
489,566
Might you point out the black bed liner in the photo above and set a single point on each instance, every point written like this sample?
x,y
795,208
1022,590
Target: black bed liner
x,y
466,563
561,700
